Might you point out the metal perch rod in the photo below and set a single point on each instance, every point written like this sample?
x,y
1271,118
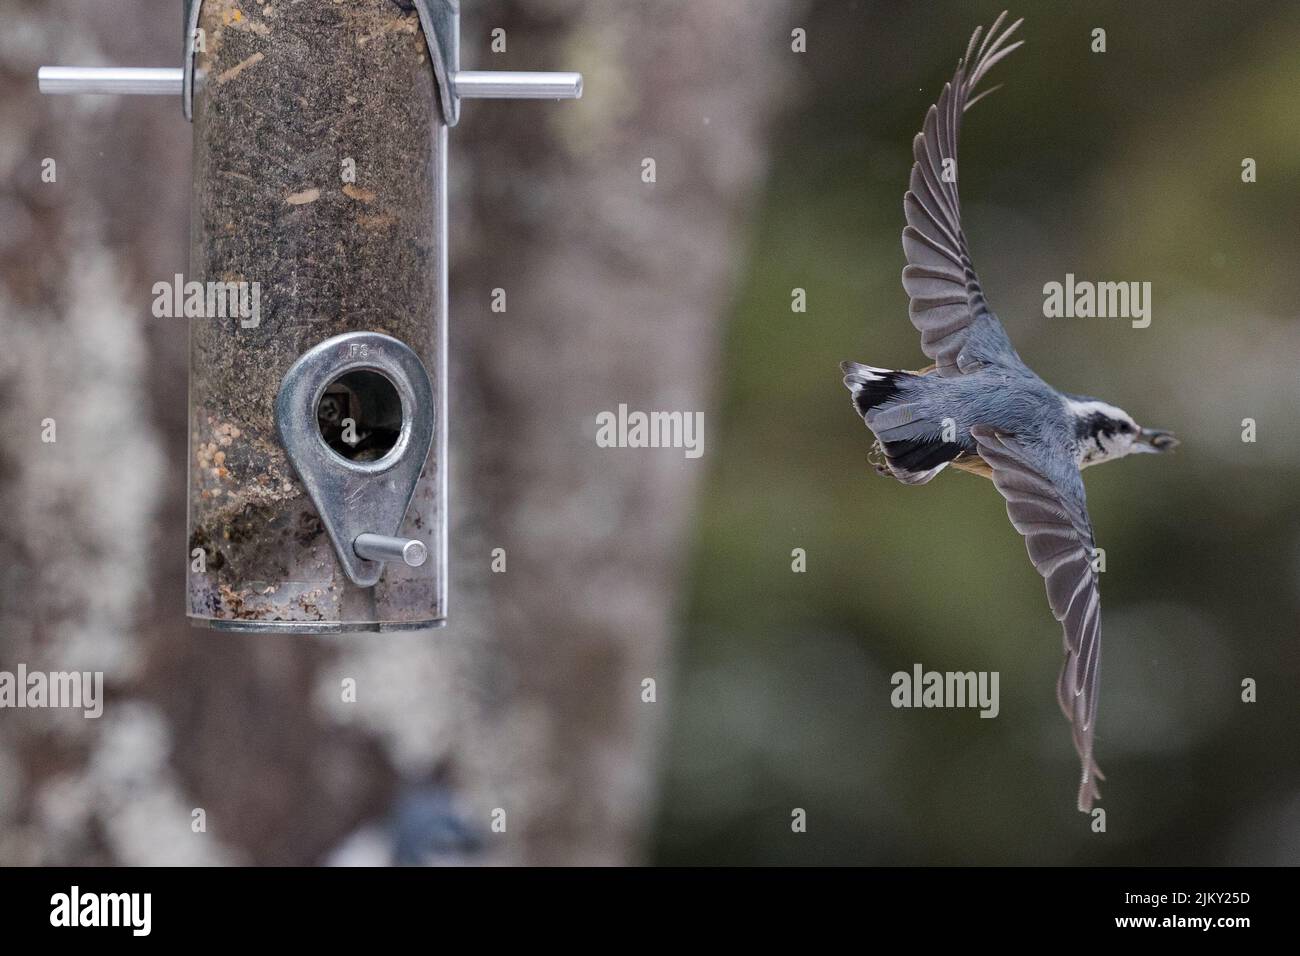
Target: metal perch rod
x,y
168,81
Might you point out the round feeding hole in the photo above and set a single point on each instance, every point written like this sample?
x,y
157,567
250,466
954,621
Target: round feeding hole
x,y
360,415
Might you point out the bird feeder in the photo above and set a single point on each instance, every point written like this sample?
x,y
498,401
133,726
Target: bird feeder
x,y
318,366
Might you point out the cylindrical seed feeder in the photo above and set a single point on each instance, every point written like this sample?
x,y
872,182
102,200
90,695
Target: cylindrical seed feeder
x,y
319,159
318,390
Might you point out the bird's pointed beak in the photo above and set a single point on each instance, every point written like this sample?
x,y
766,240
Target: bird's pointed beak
x,y
1155,440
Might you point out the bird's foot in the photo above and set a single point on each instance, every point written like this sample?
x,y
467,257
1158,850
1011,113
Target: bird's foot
x,y
877,460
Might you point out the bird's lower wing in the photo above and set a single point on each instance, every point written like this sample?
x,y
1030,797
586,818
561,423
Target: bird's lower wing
x,y
1046,503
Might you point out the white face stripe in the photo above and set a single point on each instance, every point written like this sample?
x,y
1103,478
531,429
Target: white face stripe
x,y
1113,446
1084,409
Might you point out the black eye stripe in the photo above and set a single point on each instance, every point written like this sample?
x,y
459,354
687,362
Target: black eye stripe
x,y
1096,424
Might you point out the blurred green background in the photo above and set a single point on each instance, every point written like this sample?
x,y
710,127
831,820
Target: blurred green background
x,y
1117,166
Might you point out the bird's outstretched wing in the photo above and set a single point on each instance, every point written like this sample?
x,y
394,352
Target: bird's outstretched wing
x,y
958,331
1045,501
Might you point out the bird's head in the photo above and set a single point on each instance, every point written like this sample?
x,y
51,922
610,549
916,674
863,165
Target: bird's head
x,y
1103,432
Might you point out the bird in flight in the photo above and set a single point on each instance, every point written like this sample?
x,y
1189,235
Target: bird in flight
x,y
981,409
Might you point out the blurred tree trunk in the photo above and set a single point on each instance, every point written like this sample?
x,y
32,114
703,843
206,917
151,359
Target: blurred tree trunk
x,y
530,702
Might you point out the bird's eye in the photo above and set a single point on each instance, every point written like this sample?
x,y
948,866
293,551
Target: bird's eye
x,y
1125,428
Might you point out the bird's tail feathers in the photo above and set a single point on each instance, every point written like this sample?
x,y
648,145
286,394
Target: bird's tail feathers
x,y
871,387
913,447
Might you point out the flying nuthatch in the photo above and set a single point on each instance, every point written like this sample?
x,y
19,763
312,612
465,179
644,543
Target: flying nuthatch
x,y
980,409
